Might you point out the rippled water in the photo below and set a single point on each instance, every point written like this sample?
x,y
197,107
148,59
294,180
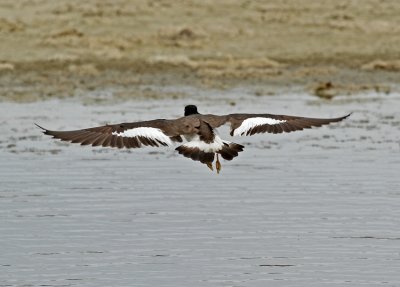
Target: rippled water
x,y
314,208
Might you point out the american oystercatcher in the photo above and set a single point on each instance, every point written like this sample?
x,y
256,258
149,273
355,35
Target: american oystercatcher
x,y
203,142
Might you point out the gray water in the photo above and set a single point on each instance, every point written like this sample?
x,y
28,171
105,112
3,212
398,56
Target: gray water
x,y
319,207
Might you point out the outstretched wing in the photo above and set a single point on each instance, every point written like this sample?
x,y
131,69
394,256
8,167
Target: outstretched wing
x,y
250,124
130,135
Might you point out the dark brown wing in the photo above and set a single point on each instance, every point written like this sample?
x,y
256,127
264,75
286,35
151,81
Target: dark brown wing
x,y
130,135
215,121
250,124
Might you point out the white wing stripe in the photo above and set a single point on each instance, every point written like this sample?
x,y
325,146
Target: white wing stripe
x,y
250,123
148,132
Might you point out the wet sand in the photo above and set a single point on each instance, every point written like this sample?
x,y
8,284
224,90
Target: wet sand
x,y
313,208
63,48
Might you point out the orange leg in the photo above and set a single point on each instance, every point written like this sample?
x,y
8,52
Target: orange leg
x,y
218,164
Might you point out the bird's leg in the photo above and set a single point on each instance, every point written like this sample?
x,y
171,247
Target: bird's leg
x,y
209,164
218,164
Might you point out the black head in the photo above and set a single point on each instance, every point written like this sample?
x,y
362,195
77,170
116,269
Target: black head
x,y
191,110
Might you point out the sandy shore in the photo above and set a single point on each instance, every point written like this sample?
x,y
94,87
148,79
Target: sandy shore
x,y
63,48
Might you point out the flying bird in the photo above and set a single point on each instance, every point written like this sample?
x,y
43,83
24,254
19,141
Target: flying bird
x,y
202,141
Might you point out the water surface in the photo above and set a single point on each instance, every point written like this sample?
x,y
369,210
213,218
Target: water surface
x,y
314,208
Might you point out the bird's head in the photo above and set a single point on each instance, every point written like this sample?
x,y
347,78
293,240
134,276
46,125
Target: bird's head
x,y
191,110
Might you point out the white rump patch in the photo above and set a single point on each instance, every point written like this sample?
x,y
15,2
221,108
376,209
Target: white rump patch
x,y
250,123
215,146
151,133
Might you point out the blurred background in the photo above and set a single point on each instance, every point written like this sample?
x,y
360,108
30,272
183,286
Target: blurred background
x,y
66,48
313,208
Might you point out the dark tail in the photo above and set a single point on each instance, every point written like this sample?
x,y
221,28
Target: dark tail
x,y
231,150
228,152
196,154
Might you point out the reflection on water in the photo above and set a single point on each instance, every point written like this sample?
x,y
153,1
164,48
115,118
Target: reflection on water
x,y
314,208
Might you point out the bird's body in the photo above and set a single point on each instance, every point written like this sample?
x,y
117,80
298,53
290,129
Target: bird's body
x,y
203,142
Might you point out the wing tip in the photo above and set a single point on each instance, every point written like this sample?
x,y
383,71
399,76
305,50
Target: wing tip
x,y
40,127
345,116
44,130
348,115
